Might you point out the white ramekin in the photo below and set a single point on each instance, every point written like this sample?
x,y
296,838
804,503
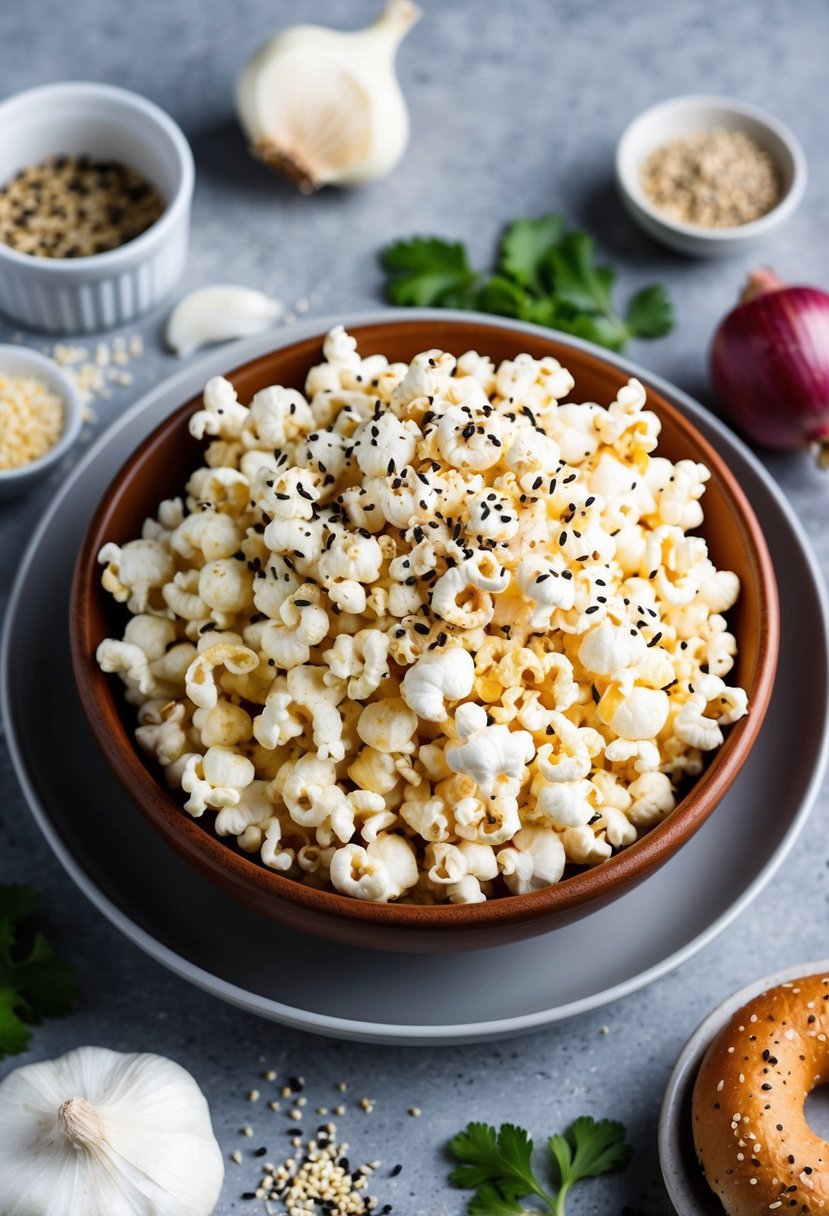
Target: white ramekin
x,y
680,116
81,295
21,361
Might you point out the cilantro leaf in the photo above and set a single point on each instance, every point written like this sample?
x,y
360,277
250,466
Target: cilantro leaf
x,y
525,248
544,274
488,1202
588,1148
15,1035
577,281
499,1164
427,271
650,313
604,331
505,298
34,984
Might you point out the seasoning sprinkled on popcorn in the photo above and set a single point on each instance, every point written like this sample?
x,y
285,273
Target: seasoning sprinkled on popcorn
x,y
425,633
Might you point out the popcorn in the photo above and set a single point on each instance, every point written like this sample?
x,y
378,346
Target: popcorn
x,y
208,535
160,733
215,779
200,678
535,860
134,571
493,756
424,633
126,660
381,871
436,678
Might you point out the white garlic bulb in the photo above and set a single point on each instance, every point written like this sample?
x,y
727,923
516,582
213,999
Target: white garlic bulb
x,y
218,313
325,106
99,1133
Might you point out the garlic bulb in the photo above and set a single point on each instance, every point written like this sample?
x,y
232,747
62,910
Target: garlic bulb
x,y
98,1133
218,313
325,106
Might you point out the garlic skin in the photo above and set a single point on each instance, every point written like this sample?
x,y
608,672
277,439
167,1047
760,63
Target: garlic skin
x,y
324,106
100,1133
217,314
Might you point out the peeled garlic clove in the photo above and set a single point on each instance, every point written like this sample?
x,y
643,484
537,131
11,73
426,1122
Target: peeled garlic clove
x,y
324,106
217,314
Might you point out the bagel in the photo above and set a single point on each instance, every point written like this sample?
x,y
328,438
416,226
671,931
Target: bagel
x,y
755,1148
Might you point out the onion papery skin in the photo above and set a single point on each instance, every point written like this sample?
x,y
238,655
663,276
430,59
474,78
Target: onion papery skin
x,y
770,367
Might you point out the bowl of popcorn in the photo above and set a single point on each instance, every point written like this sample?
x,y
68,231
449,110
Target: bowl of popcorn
x,y
416,636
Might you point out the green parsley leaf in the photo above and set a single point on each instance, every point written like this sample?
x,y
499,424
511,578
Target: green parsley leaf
x,y
587,1149
34,984
544,274
488,1202
498,1165
577,281
525,248
503,297
500,1161
604,331
650,313
427,271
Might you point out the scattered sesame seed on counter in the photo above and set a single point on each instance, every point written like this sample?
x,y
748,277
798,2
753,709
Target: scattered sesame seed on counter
x,y
317,1175
96,373
31,419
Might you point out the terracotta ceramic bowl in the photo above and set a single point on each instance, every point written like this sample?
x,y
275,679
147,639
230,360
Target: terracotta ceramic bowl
x,y
159,469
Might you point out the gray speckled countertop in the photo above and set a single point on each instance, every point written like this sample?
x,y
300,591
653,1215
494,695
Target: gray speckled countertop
x,y
516,108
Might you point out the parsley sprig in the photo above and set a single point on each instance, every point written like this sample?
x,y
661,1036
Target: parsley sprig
x,y
497,1165
34,984
544,273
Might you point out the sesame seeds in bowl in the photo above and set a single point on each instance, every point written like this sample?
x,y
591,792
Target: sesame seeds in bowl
x,y
127,255
40,417
709,176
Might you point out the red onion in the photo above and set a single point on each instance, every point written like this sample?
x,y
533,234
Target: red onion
x,y
770,365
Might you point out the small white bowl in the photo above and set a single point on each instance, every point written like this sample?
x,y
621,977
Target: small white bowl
x,y
680,116
82,295
689,1192
20,361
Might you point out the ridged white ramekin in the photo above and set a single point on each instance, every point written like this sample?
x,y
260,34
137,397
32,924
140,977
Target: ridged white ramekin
x,y
81,295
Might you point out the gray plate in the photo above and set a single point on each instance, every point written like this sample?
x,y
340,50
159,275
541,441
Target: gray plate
x,y
180,919
684,1182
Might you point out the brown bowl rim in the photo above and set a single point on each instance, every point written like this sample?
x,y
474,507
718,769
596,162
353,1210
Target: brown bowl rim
x,y
223,864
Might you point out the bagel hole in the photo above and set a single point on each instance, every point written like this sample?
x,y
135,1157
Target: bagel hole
x,y
816,1110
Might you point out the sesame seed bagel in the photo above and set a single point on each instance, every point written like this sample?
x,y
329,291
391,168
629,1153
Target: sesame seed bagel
x,y
756,1150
